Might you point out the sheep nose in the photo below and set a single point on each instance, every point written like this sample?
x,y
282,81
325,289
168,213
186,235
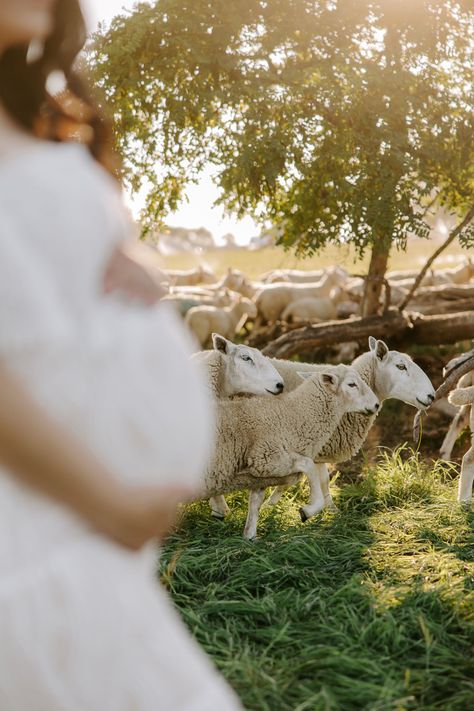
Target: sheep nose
x,y
376,406
279,387
431,397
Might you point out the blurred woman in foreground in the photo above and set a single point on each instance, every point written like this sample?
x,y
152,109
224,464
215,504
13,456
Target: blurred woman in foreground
x,y
103,424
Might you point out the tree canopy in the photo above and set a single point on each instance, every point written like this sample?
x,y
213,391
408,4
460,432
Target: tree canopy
x,y
338,119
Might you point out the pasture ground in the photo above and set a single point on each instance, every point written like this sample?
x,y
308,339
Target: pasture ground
x,y
367,607
254,263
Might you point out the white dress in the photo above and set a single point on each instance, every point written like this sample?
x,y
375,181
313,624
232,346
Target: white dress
x,y
84,626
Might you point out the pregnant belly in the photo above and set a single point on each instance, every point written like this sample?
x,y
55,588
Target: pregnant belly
x,y
127,389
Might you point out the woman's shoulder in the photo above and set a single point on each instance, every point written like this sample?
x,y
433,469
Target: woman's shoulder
x,y
41,158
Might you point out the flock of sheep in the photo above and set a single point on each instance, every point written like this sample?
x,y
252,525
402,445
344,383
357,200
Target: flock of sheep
x,y
210,305
279,420
296,419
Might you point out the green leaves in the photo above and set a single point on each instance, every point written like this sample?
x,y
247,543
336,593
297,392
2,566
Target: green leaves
x,y
332,120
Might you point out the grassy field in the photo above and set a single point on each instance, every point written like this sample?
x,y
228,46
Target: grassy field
x,y
367,607
255,263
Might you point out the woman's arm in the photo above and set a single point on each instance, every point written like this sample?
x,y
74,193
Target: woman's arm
x,y
132,270
43,455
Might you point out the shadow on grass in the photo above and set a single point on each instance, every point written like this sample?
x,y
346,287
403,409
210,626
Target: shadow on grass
x,y
367,607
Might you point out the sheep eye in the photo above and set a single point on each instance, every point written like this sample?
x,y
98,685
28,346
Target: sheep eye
x,y
247,358
401,366
352,385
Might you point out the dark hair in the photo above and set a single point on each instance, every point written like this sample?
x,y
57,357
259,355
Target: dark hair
x,y
70,115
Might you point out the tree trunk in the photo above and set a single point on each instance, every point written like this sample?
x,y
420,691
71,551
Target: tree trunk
x,y
374,279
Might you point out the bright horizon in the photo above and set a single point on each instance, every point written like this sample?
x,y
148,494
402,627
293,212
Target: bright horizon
x,y
198,210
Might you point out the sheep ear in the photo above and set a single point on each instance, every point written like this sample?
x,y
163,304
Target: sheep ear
x,y
330,380
372,343
381,351
220,343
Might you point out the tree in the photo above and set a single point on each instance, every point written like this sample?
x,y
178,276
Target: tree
x,y
336,120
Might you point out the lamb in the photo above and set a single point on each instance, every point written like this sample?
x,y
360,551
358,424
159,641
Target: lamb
x,y
231,370
205,320
298,276
313,308
236,280
389,374
262,441
184,301
200,275
273,299
463,396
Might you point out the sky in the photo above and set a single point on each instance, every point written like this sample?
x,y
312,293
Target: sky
x,y
198,210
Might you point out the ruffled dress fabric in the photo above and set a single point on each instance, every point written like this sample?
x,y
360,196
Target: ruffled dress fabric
x,y
84,624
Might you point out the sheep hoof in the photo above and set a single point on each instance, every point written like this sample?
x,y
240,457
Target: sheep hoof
x,y
217,514
304,517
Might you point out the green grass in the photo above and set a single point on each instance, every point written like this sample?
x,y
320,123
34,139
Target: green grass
x,y
255,263
367,607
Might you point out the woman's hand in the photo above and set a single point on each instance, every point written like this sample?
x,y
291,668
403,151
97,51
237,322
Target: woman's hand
x,y
124,273
134,516
43,454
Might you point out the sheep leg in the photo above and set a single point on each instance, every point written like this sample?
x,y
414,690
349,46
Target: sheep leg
x,y
219,508
467,477
284,465
317,499
459,423
323,472
276,495
255,501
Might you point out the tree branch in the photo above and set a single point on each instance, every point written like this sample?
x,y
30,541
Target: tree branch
x,y
456,231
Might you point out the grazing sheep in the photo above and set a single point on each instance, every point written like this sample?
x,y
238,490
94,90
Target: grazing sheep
x,y
184,302
313,308
233,369
200,275
273,299
206,320
298,276
463,396
236,280
262,440
389,374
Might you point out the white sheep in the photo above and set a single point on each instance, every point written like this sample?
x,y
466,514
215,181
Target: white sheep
x,y
313,308
273,299
235,369
389,374
182,277
261,441
228,320
183,302
463,396
298,276
237,281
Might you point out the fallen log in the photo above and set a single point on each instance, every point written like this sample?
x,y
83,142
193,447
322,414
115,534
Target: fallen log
x,y
438,329
336,332
446,292
432,308
403,328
